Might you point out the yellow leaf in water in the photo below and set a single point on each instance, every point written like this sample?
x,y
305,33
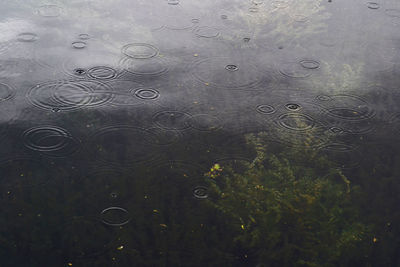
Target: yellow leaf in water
x,y
69,264
375,240
163,225
242,226
120,247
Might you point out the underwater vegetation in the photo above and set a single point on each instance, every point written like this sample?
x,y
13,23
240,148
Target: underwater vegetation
x,y
290,208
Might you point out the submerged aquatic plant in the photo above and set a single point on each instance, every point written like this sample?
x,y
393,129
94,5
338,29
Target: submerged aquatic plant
x,y
289,207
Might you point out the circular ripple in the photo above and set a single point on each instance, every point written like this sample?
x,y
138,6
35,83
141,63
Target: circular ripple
x,y
393,13
147,93
347,107
213,71
115,216
323,98
172,120
231,67
123,145
84,36
49,11
253,9
309,64
265,109
102,73
206,32
6,92
292,107
294,70
296,121
152,67
124,92
79,44
280,4
27,37
173,2
69,95
163,137
373,5
343,155
140,50
84,238
79,72
299,18
205,122
200,192
26,172
50,140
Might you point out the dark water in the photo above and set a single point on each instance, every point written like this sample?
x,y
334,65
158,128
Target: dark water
x,y
199,133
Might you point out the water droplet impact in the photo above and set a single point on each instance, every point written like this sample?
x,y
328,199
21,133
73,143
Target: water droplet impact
x,y
347,107
102,73
79,71
200,192
205,122
292,107
27,37
147,93
231,67
253,9
78,44
56,109
372,5
49,11
172,120
220,72
265,109
296,122
309,64
140,50
69,95
115,216
150,67
206,32
123,145
324,98
246,39
50,140
280,4
84,36
224,16
336,130
299,18
294,70
173,2
257,2
393,13
6,92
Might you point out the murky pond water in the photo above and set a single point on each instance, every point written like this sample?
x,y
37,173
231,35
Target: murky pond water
x,y
199,133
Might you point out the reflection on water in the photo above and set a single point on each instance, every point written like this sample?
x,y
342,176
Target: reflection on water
x,y
188,133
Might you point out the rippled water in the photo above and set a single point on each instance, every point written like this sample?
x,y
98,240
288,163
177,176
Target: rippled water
x,y
199,133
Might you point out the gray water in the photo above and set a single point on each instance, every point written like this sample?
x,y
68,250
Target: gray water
x,y
133,132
